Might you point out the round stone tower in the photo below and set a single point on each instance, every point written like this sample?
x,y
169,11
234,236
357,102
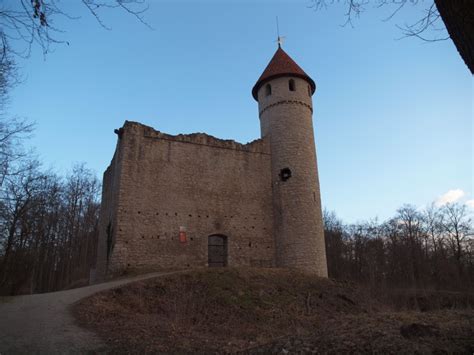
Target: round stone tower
x,y
284,94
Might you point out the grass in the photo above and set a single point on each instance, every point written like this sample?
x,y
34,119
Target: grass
x,y
230,310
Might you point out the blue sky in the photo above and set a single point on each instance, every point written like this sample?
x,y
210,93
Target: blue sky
x,y
393,118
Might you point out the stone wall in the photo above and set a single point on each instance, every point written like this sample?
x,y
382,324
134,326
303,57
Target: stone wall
x,y
108,213
158,183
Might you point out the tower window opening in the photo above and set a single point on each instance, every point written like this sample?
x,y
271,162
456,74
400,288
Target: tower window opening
x,y
291,85
309,91
268,90
285,174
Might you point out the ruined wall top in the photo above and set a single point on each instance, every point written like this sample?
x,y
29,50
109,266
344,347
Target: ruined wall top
x,y
136,128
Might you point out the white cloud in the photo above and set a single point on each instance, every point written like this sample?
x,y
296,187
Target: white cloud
x,y
450,197
470,203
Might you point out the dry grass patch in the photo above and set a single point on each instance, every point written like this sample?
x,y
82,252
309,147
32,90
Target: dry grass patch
x,y
231,310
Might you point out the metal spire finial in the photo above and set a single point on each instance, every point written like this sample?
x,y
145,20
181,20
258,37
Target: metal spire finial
x,y
279,38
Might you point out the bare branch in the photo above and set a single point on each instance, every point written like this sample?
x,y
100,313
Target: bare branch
x,y
32,21
354,8
428,22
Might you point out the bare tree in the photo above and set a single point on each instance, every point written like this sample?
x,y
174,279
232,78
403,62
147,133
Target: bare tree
x,y
16,200
411,225
33,21
457,224
433,218
413,250
48,230
335,245
13,131
451,18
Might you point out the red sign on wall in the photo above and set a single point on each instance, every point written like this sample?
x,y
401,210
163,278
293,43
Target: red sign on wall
x,y
182,234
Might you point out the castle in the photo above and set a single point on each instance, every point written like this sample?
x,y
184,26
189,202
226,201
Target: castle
x,y
172,202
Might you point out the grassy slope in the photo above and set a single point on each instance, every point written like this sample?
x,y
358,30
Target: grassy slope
x,y
263,310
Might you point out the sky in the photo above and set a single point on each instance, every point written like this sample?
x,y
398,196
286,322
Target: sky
x,y
392,117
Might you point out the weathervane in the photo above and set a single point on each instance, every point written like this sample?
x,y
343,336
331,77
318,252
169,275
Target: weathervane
x,y
279,39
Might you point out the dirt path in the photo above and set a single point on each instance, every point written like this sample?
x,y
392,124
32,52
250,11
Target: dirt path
x,y
43,323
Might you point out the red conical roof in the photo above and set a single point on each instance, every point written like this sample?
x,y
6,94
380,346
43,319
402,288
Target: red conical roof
x,y
281,65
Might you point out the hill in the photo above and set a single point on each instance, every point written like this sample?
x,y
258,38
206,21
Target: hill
x,y
264,311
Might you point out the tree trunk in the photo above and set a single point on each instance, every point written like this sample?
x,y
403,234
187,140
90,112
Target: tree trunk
x,y
458,17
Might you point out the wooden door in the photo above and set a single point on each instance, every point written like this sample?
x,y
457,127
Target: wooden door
x,y
217,251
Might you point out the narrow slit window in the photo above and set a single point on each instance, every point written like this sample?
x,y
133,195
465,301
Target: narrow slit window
x,y
268,90
291,85
309,91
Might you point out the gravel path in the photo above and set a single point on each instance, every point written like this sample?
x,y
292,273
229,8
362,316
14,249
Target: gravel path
x,y
43,324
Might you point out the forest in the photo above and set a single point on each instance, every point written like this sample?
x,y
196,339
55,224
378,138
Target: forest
x,y
430,249
48,230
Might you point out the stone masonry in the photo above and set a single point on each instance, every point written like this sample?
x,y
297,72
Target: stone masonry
x,y
194,200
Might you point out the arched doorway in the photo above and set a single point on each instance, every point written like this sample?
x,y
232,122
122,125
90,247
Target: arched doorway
x,y
217,250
